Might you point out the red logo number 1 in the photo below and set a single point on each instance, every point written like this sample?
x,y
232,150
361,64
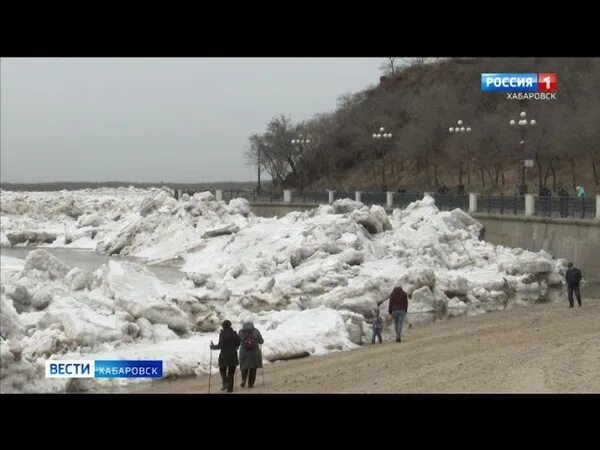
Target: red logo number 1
x,y
546,82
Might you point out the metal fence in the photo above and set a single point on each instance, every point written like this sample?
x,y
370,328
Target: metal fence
x,y
231,194
491,204
319,197
565,207
275,196
373,198
263,197
342,194
501,204
403,199
448,202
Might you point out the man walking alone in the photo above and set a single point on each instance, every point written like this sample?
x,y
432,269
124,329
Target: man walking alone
x,y
573,277
397,308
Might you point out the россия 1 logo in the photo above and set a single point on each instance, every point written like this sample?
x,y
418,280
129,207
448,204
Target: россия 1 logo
x,y
519,86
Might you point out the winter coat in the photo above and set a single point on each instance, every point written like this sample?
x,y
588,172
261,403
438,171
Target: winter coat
x,y
573,276
544,192
376,323
251,358
398,300
229,342
581,192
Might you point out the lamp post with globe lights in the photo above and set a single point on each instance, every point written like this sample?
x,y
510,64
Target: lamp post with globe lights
x,y
460,130
301,144
380,138
258,186
523,124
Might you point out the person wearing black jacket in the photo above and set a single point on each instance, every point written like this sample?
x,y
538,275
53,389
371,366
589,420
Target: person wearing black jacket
x,y
563,201
398,306
573,277
229,341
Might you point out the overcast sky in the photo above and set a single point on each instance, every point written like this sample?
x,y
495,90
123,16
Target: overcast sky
x,y
161,119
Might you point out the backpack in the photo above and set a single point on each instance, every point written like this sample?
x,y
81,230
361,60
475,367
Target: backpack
x,y
249,341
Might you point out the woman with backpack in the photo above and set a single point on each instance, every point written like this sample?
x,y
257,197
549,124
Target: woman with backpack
x,y
250,353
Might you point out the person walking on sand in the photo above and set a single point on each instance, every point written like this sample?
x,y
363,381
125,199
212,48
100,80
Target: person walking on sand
x,y
397,308
573,277
376,325
250,353
229,342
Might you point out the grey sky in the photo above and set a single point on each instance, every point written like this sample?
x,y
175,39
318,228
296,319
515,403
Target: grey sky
x,y
169,119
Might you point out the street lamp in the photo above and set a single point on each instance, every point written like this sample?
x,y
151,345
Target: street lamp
x,y
300,143
460,130
380,138
523,124
258,186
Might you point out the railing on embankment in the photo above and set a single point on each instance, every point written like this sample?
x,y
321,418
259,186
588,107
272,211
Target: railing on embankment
x,y
566,227
517,205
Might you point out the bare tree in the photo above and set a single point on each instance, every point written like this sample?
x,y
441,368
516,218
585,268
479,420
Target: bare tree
x,y
269,158
389,66
425,97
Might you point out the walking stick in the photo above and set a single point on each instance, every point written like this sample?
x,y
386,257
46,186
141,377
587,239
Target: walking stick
x,y
263,367
210,367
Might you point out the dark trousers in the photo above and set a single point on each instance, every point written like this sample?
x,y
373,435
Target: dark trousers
x,y
227,374
376,333
570,290
563,207
250,375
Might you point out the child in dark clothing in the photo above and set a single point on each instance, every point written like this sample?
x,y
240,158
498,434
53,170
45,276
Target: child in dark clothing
x,y
376,326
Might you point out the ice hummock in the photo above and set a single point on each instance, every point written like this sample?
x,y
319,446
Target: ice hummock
x,y
308,279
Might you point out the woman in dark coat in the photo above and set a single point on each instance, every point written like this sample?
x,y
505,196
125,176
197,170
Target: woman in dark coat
x,y
250,353
229,342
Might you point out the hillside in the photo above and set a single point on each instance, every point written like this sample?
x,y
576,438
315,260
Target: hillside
x,y
419,104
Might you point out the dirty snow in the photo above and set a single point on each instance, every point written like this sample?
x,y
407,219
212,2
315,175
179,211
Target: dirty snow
x,y
308,279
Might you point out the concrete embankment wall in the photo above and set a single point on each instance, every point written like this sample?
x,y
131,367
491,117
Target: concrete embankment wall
x,y
573,239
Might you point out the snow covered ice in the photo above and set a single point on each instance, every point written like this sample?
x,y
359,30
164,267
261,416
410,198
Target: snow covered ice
x,y
307,280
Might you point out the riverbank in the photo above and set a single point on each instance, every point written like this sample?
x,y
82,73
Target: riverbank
x,y
544,348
